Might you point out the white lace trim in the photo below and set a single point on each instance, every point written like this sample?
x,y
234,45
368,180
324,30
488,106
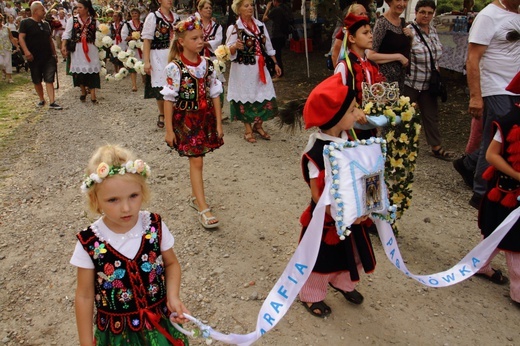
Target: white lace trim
x,y
145,225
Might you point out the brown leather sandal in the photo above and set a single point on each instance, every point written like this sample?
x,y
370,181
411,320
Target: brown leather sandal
x,y
249,137
261,132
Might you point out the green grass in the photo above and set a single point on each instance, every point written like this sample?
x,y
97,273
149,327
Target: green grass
x,y
17,104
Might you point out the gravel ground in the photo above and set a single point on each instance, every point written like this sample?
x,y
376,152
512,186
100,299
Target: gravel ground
x,y
258,194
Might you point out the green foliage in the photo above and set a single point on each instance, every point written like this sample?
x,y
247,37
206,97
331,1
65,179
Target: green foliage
x,y
444,6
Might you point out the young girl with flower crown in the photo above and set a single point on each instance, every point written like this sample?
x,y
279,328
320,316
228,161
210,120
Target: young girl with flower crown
x,y
192,108
126,265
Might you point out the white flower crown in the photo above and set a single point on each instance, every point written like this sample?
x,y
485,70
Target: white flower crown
x,y
104,170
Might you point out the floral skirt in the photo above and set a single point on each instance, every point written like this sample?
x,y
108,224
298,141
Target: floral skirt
x,y
151,92
90,80
145,337
253,112
195,132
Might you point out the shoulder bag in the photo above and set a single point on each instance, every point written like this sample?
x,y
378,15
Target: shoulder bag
x,y
437,86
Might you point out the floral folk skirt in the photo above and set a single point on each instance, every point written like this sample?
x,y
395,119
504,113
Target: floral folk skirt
x,y
151,92
195,132
145,337
90,80
253,112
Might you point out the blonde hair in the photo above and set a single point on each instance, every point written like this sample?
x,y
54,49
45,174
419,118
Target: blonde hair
x,y
237,4
112,155
356,9
175,47
201,4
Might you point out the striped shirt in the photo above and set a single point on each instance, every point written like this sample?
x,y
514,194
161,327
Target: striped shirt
x,y
420,65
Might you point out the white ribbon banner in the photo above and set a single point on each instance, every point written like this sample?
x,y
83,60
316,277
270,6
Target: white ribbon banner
x,y
468,266
302,262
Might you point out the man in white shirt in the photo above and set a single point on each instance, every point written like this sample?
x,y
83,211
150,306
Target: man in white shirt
x,y
491,64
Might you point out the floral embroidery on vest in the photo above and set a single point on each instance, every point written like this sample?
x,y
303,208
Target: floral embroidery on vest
x,y
124,287
77,29
162,33
193,92
247,56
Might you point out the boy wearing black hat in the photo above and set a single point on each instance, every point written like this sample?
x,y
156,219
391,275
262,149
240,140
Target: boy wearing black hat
x,y
331,106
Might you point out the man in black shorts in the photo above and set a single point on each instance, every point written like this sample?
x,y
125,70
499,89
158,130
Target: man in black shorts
x,y
38,47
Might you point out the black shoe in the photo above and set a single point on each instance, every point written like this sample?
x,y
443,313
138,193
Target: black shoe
x,y
465,173
475,200
41,104
56,106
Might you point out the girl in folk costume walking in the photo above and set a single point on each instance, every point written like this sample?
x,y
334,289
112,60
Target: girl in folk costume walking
x,y
356,69
501,199
251,92
157,35
331,106
212,30
127,34
126,265
192,108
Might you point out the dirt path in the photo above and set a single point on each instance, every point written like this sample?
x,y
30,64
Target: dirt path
x,y
258,193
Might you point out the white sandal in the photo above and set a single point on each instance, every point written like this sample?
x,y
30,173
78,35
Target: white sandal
x,y
192,204
205,221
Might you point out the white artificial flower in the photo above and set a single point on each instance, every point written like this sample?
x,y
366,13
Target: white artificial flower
x,y
98,43
121,55
102,63
102,54
131,44
139,44
130,62
115,49
123,71
99,35
107,41
129,166
103,72
118,76
130,52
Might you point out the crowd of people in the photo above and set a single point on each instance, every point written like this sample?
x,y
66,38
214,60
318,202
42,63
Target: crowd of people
x,y
189,91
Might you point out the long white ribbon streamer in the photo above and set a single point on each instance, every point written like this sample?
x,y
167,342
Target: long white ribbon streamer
x,y
468,266
302,262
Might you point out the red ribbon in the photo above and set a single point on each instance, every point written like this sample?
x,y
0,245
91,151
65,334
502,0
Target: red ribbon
x,y
261,70
154,319
84,43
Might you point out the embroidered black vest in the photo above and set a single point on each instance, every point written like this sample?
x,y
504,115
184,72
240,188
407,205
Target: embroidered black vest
x,y
210,37
126,288
114,31
131,30
247,56
194,92
90,30
161,37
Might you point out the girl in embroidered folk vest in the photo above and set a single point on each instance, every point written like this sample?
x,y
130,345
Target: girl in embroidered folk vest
x,y
84,61
332,107
503,195
157,35
192,108
251,94
132,31
127,268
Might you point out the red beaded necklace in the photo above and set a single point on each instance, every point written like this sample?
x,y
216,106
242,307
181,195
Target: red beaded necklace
x,y
170,21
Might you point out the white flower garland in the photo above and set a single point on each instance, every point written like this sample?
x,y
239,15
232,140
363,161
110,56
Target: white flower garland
x,y
104,170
